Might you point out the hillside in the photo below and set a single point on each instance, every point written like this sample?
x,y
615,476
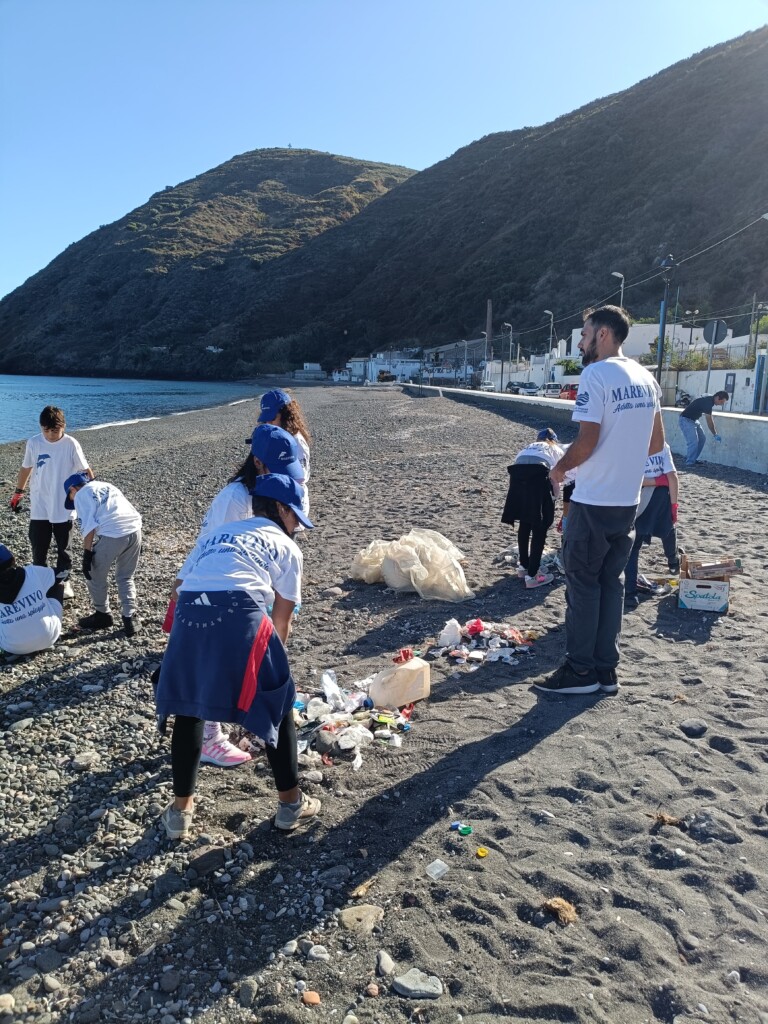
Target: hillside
x,y
534,219
137,296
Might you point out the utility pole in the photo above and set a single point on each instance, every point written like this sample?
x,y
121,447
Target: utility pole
x,y
488,334
667,265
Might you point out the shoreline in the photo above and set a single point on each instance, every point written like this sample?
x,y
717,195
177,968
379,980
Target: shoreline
x,y
563,793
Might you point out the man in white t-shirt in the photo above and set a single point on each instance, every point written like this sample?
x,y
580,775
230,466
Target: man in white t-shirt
x,y
49,458
111,529
618,410
30,606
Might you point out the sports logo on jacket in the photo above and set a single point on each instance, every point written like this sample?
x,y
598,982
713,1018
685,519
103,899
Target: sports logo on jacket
x,y
41,460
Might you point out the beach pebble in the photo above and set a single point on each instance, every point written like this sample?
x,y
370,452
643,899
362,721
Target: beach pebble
x,y
290,948
693,727
310,998
318,953
384,963
7,1002
690,941
333,592
415,984
372,990
362,919
350,1019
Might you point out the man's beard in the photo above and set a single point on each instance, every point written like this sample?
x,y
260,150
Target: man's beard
x,y
589,354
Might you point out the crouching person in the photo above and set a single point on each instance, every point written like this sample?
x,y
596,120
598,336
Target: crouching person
x,y
111,529
30,606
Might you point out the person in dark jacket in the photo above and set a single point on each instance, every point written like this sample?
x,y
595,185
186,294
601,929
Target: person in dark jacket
x,y
530,503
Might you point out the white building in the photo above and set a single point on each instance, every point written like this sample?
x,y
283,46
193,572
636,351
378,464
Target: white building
x,y
641,336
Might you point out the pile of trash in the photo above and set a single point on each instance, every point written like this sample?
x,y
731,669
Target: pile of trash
x,y
422,560
551,559
338,724
477,641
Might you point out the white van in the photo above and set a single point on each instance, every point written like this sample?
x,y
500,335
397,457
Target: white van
x,y
551,390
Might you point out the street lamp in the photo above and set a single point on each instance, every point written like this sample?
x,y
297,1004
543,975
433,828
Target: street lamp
x,y
551,316
615,273
691,312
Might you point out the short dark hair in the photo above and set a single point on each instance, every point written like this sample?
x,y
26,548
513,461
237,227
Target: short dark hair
x,y
52,417
612,317
721,394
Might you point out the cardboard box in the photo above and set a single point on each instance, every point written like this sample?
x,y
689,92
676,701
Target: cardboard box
x,y
704,595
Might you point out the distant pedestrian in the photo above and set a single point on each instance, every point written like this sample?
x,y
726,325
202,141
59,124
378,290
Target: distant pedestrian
x,y
619,415
30,606
279,408
530,503
49,458
695,438
111,529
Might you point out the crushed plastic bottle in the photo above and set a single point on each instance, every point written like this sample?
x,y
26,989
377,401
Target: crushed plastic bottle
x,y
450,635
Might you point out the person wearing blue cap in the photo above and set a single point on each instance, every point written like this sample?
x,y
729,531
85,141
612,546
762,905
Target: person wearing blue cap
x,y
282,410
226,658
31,601
530,503
273,450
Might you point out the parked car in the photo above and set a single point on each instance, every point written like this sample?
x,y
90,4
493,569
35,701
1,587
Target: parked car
x,y
487,385
551,390
569,391
513,386
527,388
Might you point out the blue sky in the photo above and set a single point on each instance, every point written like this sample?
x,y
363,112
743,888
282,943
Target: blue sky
x,y
106,101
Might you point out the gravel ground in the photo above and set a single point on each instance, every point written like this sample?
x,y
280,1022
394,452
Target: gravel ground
x,y
103,919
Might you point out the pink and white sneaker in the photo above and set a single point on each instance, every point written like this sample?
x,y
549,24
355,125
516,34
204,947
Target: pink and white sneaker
x,y
539,580
218,750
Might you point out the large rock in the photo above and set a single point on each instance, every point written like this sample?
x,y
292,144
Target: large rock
x,y
415,984
362,919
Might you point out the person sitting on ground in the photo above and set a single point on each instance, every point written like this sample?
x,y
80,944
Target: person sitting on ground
x,y
530,502
226,659
656,517
31,610
695,437
111,529
273,450
49,458
280,409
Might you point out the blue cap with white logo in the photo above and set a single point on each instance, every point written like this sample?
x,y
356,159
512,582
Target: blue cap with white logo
x,y
271,404
76,480
278,450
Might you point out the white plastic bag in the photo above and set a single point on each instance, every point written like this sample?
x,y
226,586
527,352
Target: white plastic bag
x,y
421,560
450,635
366,565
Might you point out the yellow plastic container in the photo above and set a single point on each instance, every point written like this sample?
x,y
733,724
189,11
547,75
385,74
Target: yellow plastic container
x,y
399,685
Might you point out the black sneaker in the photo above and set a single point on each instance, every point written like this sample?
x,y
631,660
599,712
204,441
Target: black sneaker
x,y
606,677
131,625
631,601
566,680
99,620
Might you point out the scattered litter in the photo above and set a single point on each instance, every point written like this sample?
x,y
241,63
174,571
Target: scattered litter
x,y
478,642
481,851
437,869
561,909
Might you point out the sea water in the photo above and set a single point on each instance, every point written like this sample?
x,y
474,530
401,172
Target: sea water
x,y
96,401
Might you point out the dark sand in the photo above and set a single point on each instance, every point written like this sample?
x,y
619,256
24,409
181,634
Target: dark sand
x,y
672,925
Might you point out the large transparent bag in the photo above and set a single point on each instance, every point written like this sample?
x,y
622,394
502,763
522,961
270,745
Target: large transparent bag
x,y
421,560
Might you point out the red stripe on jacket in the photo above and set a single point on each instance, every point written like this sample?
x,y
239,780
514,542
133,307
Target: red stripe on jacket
x,y
255,658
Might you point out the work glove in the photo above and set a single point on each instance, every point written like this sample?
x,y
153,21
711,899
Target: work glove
x,y
559,527
717,437
674,514
87,564
17,496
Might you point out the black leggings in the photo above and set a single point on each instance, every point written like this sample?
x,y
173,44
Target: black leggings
x,y
187,744
537,535
41,532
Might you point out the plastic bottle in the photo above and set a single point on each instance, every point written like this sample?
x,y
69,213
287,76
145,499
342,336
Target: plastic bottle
x,y
399,685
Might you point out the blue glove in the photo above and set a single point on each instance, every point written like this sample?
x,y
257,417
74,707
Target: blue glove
x,y
717,437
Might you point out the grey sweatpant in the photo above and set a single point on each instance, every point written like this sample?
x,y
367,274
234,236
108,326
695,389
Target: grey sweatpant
x,y
596,546
123,553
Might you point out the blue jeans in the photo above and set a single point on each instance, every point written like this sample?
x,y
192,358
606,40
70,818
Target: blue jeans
x,y
695,439
595,551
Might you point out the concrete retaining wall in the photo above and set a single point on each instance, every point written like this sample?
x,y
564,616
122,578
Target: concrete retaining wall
x,y
744,444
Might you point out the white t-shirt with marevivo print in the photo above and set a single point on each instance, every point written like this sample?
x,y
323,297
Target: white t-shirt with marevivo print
x,y
623,397
51,463
33,621
659,464
104,508
253,555
231,504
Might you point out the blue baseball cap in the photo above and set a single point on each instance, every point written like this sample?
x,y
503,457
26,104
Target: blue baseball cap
x,y
277,449
271,404
547,434
285,490
6,557
76,480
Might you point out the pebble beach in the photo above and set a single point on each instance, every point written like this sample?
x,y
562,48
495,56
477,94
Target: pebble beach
x,y
644,812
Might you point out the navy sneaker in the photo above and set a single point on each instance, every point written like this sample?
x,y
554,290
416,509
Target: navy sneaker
x,y
608,681
567,680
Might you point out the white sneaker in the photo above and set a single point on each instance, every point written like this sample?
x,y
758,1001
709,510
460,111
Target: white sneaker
x,y
538,580
521,573
68,589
